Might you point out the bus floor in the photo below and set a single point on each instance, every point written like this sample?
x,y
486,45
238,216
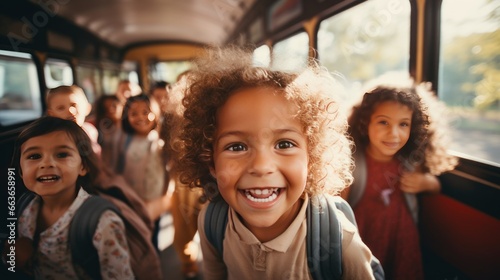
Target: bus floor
x,y
170,263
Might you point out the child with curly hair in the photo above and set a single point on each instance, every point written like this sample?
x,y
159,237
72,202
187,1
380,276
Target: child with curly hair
x,y
400,148
267,142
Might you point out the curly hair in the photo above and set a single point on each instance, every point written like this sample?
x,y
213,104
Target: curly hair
x,y
223,71
426,148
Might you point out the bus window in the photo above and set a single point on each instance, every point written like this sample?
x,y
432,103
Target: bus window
x,y
87,77
57,72
168,70
291,53
129,71
262,56
19,89
110,80
366,41
469,75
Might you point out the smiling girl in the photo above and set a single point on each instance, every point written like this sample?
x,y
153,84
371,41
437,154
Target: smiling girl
x,y
140,159
265,141
400,149
56,162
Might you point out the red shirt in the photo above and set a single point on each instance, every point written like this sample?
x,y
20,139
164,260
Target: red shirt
x,y
385,223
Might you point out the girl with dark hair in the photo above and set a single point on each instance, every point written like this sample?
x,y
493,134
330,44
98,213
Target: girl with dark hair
x,y
400,148
56,162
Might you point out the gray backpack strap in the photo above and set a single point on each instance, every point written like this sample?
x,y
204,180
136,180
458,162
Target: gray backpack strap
x,y
323,240
412,202
342,205
215,223
81,234
358,186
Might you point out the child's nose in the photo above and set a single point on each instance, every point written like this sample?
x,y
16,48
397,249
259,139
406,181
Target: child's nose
x,y
261,163
394,130
47,162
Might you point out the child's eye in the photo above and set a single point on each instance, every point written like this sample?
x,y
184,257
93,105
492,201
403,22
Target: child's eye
x,y
237,147
284,145
383,122
62,155
34,156
405,124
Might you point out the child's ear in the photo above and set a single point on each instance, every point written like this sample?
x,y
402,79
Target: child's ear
x,y
83,171
88,109
212,172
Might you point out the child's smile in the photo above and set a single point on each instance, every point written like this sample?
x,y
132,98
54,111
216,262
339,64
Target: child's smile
x,y
388,130
260,159
51,164
141,118
262,195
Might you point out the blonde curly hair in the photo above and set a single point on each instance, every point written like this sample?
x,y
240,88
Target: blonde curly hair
x,y
221,72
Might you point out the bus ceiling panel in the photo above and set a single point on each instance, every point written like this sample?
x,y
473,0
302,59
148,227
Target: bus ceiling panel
x,y
128,22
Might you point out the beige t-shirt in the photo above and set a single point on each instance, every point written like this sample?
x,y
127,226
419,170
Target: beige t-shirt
x,y
284,257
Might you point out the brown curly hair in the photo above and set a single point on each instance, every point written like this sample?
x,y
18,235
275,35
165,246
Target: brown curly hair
x,y
223,71
427,145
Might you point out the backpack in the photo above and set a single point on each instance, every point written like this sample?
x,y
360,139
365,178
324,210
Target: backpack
x,y
357,189
144,259
324,232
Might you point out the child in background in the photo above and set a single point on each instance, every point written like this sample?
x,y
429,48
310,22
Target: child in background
x,y
262,140
70,103
108,121
400,149
140,158
126,89
159,91
53,158
185,201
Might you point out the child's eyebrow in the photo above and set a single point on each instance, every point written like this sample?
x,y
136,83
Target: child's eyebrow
x,y
37,148
274,131
384,116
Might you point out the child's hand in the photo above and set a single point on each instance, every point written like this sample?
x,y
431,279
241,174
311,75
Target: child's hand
x,y
416,182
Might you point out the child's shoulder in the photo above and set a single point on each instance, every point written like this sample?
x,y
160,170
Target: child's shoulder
x,y
344,213
90,129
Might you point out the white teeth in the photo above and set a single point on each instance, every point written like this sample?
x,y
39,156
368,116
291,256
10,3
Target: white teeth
x,y
48,178
273,194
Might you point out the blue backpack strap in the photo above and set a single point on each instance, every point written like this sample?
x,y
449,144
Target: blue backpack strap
x,y
324,240
215,223
81,234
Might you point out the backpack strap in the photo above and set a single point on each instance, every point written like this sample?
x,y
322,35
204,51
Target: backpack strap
x,y
343,206
81,234
321,240
357,189
324,240
215,223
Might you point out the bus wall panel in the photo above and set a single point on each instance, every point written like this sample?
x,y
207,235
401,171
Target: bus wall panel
x,y
463,236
